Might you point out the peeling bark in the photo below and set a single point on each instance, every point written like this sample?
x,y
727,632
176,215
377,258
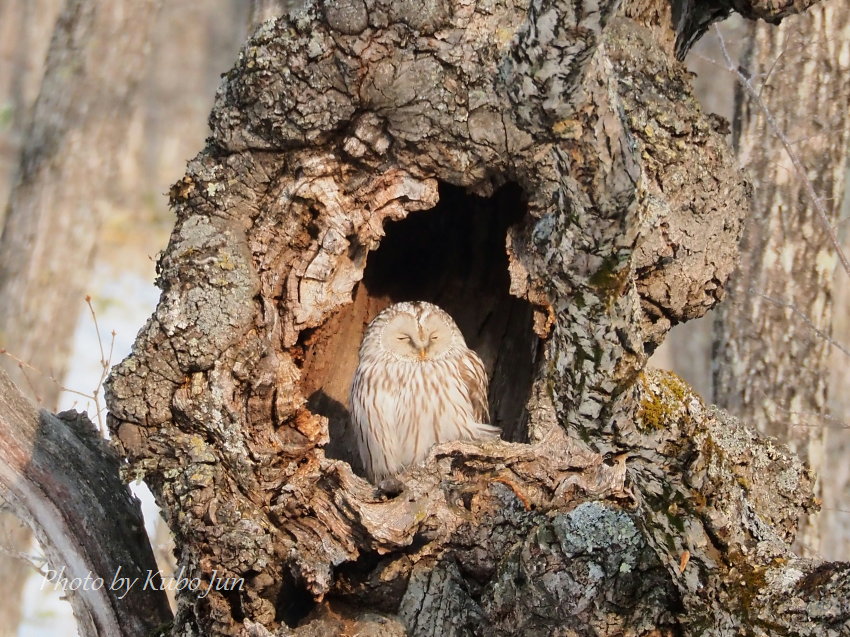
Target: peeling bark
x,y
556,129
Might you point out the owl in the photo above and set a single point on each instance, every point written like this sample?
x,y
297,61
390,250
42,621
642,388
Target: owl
x,y
416,384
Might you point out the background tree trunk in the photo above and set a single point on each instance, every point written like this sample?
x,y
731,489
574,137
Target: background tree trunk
x,y
773,334
262,10
25,30
537,165
67,167
835,480
85,101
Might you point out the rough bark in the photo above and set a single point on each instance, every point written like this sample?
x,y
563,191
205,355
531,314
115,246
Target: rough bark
x,y
62,479
687,349
368,152
772,337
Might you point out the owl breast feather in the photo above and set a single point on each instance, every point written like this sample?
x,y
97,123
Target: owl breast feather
x,y
401,409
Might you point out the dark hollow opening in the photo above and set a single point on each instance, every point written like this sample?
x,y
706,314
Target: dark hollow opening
x,y
453,255
294,603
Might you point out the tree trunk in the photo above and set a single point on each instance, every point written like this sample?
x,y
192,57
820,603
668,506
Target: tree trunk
x,y
25,28
835,481
772,336
687,349
532,170
63,186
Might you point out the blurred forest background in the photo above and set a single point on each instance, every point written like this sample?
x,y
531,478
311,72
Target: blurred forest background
x,y
188,45
101,148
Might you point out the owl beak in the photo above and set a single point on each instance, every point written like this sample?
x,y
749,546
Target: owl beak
x,y
422,353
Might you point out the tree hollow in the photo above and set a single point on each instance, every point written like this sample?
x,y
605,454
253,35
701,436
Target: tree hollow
x,y
452,255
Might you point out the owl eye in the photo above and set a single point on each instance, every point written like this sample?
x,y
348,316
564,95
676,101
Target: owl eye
x,y
403,338
434,337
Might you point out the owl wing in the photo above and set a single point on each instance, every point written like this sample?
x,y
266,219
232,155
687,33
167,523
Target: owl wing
x,y
474,377
371,417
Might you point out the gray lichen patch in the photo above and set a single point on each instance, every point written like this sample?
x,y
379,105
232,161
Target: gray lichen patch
x,y
584,559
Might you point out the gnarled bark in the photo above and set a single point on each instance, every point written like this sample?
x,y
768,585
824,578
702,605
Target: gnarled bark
x,y
555,130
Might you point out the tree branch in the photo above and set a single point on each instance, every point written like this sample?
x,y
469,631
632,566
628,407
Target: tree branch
x,y
62,480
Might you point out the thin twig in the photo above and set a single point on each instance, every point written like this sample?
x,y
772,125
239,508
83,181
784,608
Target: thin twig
x,y
790,306
96,328
104,364
817,420
24,366
94,396
769,71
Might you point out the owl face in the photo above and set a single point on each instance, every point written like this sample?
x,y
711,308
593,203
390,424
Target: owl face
x,y
420,334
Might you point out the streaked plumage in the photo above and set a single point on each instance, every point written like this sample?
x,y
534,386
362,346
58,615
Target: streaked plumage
x,y
416,384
